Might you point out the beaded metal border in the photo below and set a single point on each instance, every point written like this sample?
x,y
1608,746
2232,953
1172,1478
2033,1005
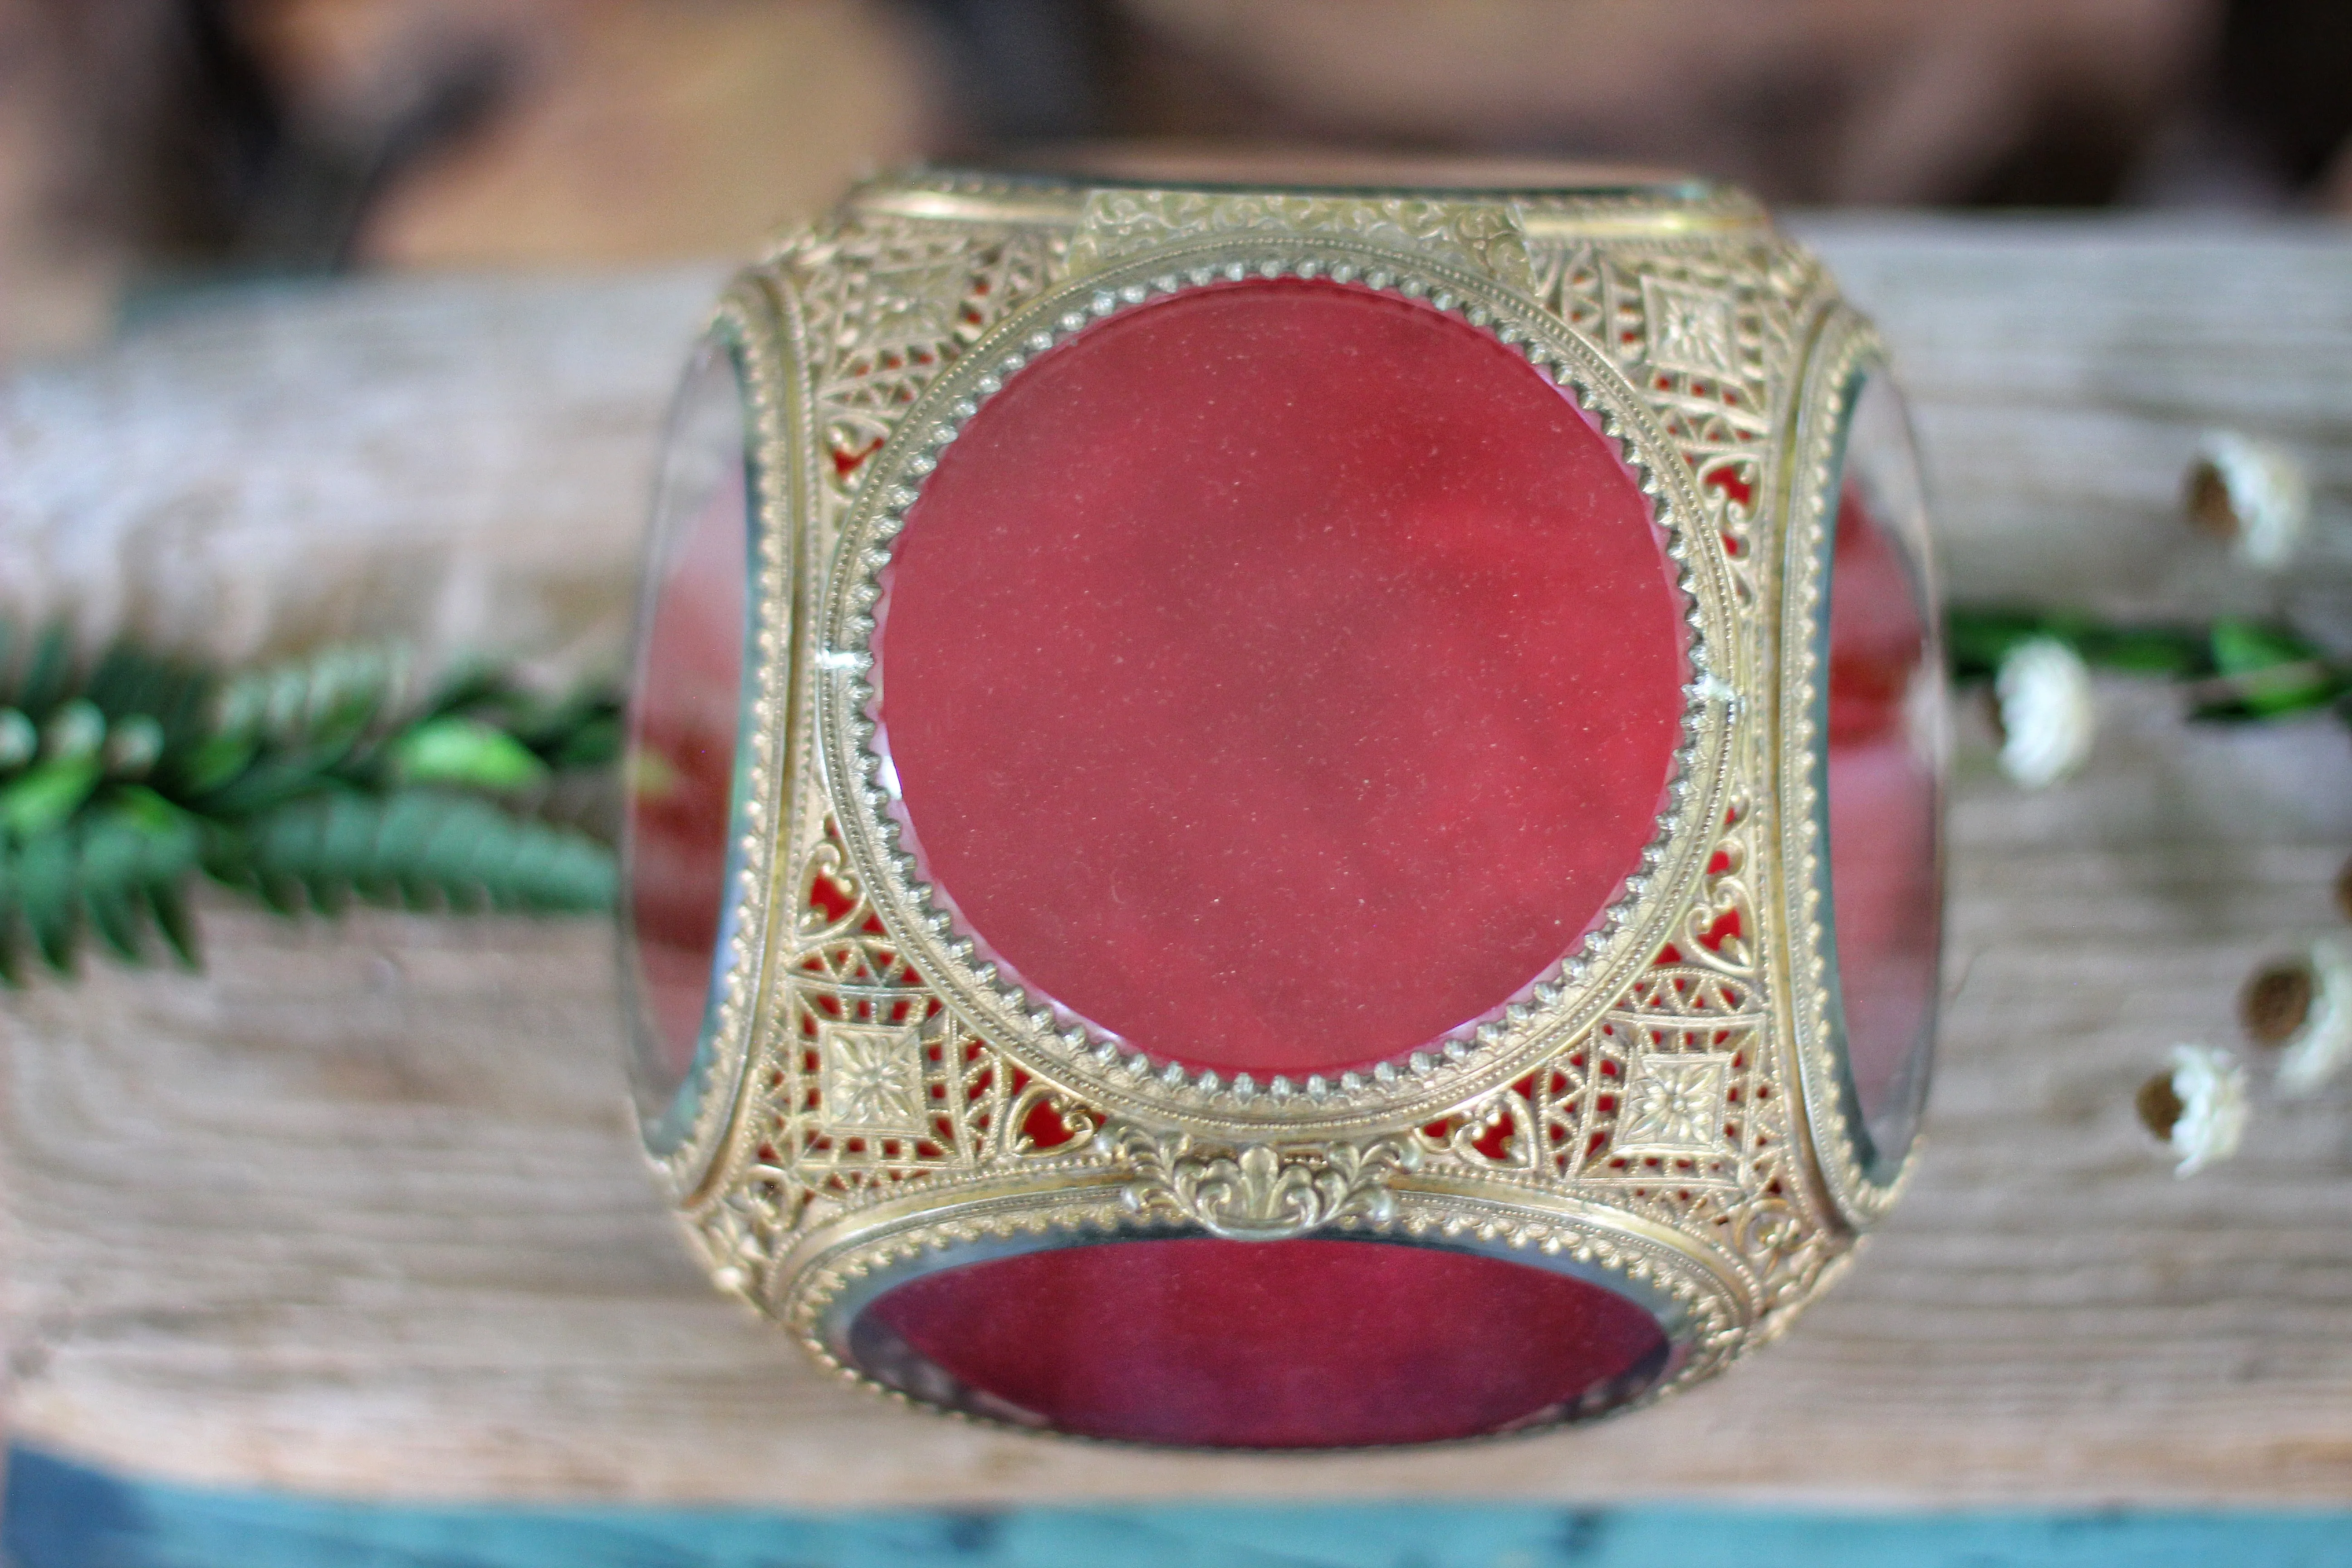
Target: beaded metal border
x,y
1845,348
1058,1046
835,1270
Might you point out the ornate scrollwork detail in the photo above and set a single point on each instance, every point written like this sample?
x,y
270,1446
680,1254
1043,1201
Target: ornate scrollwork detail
x,y
1042,1121
1258,1192
743,1235
1719,932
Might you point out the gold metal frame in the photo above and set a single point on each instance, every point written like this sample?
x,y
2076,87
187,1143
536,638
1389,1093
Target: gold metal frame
x,y
879,1101
1845,349
1030,1028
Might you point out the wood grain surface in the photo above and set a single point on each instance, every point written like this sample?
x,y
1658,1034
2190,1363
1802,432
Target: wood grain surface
x,y
358,1210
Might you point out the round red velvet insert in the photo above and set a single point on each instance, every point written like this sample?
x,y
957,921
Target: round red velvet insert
x,y
1280,675
683,724
1282,1344
1884,777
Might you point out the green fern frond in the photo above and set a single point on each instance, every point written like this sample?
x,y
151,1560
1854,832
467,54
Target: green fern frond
x,y
581,729
48,672
423,848
310,785
118,871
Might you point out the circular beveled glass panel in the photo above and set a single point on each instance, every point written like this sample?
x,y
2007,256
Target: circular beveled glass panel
x,y
1311,1344
684,735
1884,768
1280,676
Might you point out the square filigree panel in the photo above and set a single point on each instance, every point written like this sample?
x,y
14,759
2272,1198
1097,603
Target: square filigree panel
x,y
870,1079
1675,1106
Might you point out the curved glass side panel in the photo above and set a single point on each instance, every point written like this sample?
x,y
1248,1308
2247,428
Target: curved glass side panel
x,y
682,774
1882,717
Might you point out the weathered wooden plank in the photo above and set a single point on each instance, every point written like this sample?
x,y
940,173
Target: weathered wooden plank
x,y
2064,369
459,463
358,1210
61,1515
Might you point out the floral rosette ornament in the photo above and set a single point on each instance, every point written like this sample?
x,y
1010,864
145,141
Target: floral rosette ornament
x,y
1284,817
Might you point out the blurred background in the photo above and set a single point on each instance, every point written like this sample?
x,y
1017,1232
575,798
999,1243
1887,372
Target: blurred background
x,y
147,142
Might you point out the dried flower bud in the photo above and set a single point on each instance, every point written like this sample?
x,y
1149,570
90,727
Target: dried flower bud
x,y
2253,493
2277,1001
18,740
133,744
2320,1042
2047,712
2199,1108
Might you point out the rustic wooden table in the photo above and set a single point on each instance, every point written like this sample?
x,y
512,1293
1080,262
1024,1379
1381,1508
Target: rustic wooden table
x,y
358,1210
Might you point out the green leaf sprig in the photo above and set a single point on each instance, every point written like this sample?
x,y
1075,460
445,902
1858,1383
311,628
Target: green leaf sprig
x,y
308,785
2229,671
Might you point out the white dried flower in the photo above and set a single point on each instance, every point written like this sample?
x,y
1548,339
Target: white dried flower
x,y
2199,1108
2255,494
2320,1047
2048,712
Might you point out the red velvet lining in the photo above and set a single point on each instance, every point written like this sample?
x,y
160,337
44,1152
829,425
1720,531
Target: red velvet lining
x,y
1307,1343
1281,675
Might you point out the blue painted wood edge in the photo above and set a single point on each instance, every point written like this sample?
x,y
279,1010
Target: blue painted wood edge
x,y
60,1514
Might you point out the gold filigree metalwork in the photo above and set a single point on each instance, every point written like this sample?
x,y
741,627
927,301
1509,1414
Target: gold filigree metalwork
x,y
1484,235
1654,1113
